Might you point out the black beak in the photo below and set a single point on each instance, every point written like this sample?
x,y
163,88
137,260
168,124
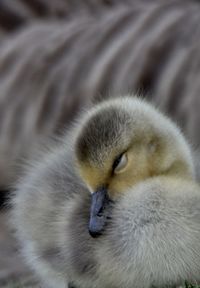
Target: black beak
x,y
98,215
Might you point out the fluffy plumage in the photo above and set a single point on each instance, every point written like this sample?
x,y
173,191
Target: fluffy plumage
x,y
151,237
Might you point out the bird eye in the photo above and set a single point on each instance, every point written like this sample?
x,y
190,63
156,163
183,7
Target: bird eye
x,y
119,163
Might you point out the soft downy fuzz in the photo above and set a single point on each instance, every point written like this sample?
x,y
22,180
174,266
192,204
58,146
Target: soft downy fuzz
x,y
114,204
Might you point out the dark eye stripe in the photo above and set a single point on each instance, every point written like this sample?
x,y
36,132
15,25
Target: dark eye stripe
x,y
117,161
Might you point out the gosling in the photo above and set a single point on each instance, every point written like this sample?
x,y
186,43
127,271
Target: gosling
x,y
114,205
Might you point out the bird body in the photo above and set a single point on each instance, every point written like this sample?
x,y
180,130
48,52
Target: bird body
x,y
149,224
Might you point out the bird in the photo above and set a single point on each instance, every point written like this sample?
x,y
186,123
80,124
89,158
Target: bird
x,y
113,204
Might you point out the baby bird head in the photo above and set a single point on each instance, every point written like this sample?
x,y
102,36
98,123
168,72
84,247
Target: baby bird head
x,y
122,142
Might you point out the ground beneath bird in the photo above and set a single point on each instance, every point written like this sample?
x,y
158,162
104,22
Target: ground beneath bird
x,y
13,272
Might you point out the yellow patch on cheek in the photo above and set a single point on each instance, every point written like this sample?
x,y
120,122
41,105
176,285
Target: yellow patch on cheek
x,y
134,174
119,187
94,178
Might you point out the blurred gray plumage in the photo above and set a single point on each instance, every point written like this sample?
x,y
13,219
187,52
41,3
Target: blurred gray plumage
x,y
152,239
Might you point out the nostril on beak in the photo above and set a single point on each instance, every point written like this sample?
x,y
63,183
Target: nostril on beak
x,y
98,213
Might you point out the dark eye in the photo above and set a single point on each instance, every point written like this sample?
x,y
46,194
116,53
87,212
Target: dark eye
x,y
117,161
120,163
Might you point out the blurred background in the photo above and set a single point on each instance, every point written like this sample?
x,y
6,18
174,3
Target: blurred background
x,y
59,57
